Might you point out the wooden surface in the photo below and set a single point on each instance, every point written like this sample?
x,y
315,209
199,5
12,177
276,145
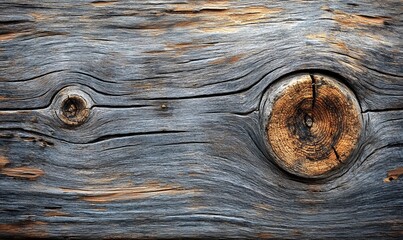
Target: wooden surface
x,y
173,143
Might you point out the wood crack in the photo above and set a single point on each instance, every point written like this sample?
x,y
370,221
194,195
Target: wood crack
x,y
382,110
94,141
337,155
123,135
313,90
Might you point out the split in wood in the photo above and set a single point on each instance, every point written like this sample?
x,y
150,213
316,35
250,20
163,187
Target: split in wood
x,y
313,123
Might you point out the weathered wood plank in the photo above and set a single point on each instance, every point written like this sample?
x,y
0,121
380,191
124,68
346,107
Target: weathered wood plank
x,y
173,145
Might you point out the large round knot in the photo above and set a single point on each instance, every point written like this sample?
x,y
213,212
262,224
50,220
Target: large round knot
x,y
313,123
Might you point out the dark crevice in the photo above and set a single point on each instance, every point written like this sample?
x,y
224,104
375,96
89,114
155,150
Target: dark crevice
x,y
201,96
29,132
97,140
344,54
373,17
119,147
182,143
14,22
41,141
382,110
192,11
32,108
235,113
100,91
391,178
375,151
337,155
122,135
122,106
39,76
92,76
313,90
56,91
52,207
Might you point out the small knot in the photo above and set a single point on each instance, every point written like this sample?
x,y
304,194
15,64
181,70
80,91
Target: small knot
x,y
164,106
74,110
72,107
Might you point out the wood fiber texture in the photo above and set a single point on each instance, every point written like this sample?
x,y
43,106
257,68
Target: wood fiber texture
x,y
173,144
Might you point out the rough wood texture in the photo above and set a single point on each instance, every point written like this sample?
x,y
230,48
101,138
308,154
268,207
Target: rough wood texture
x,y
173,145
313,124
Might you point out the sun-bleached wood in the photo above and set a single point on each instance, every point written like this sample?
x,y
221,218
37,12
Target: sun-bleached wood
x,y
173,144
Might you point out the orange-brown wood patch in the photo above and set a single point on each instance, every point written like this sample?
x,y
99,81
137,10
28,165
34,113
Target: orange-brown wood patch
x,y
394,174
31,229
314,125
23,172
122,194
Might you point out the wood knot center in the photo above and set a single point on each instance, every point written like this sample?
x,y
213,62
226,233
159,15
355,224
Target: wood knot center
x,y
308,121
313,124
72,107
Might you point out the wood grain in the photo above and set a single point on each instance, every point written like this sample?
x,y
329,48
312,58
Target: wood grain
x,y
173,144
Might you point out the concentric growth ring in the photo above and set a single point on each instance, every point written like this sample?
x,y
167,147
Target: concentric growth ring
x,y
313,124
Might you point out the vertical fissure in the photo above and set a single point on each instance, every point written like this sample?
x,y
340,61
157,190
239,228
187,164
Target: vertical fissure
x,y
313,90
337,155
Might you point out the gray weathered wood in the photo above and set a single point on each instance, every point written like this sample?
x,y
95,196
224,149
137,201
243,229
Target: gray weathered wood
x,y
173,146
